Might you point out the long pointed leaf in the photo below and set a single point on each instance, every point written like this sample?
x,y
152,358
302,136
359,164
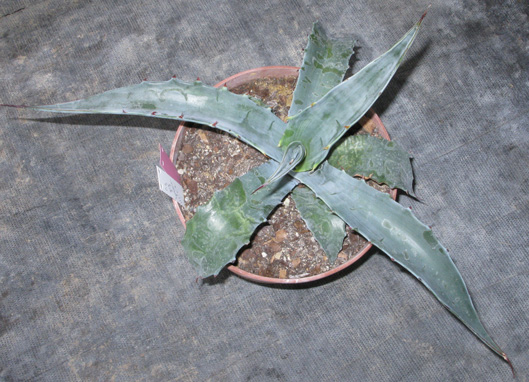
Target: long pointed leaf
x,y
220,228
398,233
319,127
324,65
175,99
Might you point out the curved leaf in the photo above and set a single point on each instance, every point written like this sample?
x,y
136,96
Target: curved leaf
x,y
221,227
174,99
292,156
375,158
319,127
398,233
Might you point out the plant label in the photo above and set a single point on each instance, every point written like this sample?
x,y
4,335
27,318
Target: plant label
x,y
169,180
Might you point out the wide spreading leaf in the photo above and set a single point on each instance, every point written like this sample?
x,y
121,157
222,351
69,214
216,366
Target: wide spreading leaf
x,y
193,102
321,125
220,228
327,228
398,233
375,158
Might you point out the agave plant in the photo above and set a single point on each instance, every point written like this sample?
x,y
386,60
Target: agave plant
x,y
324,106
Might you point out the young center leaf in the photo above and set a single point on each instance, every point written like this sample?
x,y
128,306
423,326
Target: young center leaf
x,y
321,125
325,63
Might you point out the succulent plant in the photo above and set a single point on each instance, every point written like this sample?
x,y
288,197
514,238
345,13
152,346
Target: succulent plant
x,y
324,106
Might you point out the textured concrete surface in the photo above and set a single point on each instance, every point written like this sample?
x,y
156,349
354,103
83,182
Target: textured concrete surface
x,y
93,282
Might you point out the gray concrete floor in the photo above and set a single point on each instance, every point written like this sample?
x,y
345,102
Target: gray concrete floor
x,y
94,284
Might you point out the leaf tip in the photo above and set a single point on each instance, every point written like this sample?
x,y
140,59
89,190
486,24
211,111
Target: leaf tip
x,y
424,14
15,106
504,356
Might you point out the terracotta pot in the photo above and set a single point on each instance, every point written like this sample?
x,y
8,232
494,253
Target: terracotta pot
x,y
371,119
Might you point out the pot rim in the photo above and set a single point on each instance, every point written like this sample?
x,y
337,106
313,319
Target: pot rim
x,y
234,81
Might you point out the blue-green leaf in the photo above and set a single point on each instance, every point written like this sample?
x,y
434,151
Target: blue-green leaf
x,y
292,156
324,65
220,228
375,158
398,233
174,99
319,127
327,228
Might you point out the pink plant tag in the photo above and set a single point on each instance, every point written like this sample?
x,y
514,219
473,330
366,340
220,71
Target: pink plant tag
x,y
169,180
168,166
